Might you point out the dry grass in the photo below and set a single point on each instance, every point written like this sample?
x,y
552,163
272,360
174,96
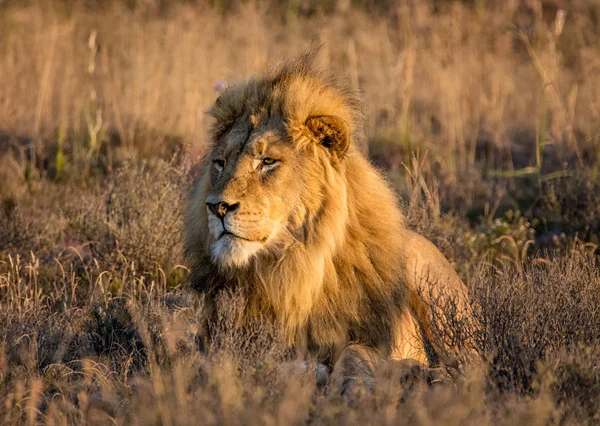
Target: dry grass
x,y
83,353
485,117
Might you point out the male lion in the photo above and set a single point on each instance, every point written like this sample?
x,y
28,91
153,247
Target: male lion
x,y
288,211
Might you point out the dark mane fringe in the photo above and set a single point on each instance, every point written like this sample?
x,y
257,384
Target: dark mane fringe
x,y
264,90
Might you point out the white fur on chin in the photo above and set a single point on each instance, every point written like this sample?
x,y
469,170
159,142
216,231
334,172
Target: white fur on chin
x,y
228,250
233,252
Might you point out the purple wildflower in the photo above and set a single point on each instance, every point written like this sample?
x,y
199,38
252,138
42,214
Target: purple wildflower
x,y
219,85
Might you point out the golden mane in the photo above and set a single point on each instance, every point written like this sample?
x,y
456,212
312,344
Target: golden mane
x,y
295,91
346,274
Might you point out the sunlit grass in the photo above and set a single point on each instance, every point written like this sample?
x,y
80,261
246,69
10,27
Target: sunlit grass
x,y
485,117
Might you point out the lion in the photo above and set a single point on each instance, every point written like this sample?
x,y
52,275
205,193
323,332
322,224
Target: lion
x,y
290,212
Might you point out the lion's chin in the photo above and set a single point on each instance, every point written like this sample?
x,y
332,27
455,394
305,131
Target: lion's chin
x,y
232,252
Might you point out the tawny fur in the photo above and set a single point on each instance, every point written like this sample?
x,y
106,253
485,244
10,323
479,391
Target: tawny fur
x,y
331,261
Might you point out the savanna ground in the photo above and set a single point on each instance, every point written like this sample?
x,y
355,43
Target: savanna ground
x,y
484,115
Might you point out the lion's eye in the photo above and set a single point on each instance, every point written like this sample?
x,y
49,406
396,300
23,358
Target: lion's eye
x,y
219,164
268,161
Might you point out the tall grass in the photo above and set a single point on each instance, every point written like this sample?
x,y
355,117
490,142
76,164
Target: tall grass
x,y
447,82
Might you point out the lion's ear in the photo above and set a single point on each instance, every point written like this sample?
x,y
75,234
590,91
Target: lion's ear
x,y
330,131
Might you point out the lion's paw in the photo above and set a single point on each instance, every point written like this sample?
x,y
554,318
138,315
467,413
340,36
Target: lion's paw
x,y
413,373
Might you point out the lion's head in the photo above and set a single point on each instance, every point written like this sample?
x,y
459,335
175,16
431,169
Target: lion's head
x,y
277,145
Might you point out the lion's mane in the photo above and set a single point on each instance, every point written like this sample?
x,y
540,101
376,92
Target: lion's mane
x,y
342,280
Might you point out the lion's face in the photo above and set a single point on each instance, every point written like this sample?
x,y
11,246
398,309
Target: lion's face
x,y
273,174
255,179
264,184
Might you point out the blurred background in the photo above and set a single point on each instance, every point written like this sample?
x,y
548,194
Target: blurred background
x,y
498,101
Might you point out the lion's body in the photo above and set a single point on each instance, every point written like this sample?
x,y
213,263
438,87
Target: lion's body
x,y
317,242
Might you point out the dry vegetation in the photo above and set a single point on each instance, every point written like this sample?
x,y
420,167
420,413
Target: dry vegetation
x,y
485,115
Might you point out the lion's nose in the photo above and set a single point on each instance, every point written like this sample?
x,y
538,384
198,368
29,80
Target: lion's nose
x,y
221,208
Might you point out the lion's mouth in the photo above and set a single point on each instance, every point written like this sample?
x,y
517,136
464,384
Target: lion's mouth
x,y
230,234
